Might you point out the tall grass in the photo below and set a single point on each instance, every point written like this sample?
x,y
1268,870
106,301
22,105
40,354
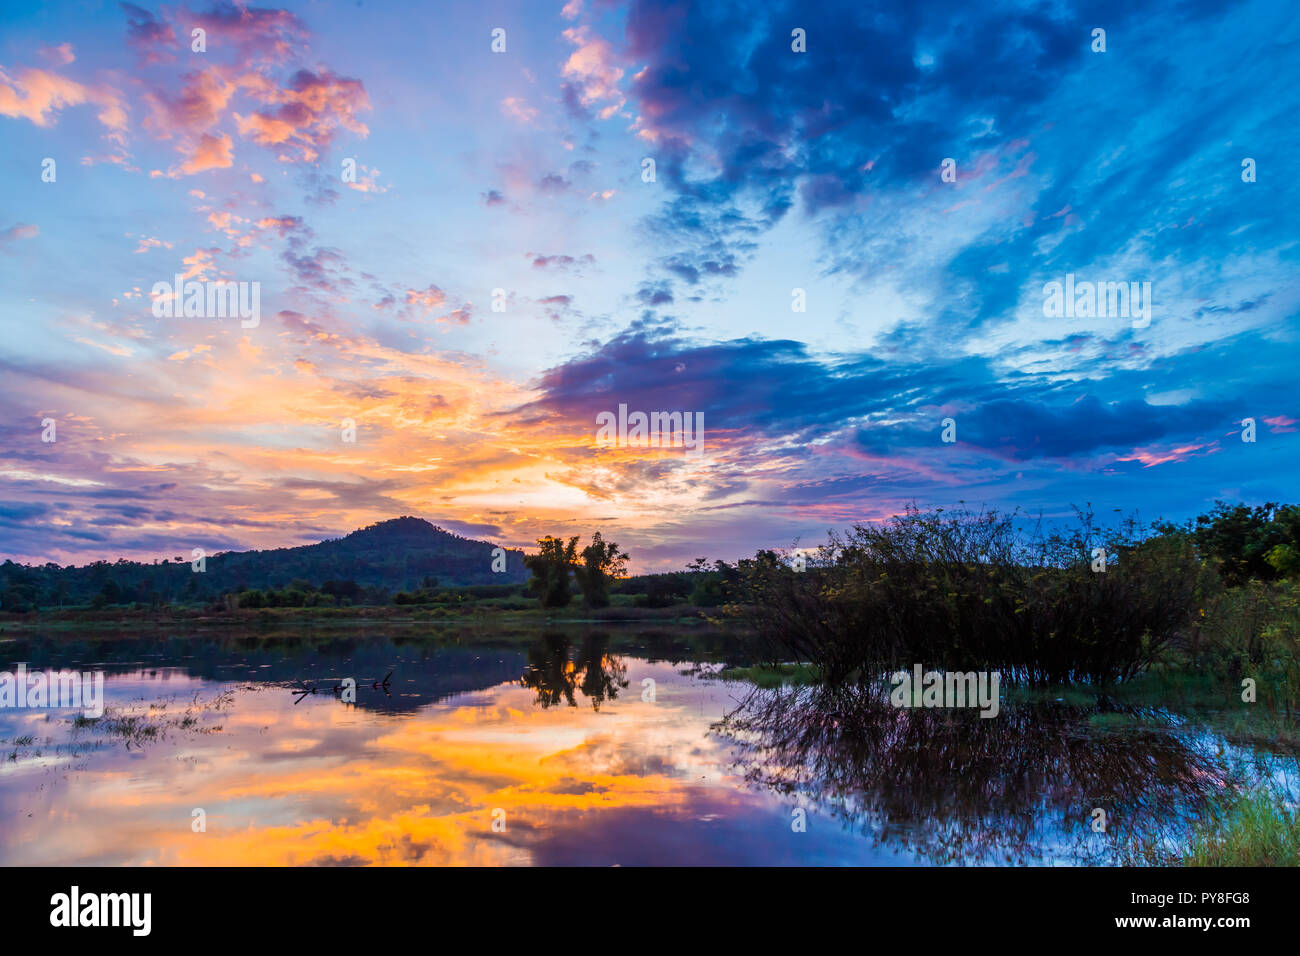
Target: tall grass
x,y
1258,830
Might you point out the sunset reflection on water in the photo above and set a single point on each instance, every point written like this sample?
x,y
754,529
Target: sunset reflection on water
x,y
324,782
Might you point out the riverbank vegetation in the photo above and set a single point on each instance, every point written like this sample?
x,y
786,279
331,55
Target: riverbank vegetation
x,y
1080,604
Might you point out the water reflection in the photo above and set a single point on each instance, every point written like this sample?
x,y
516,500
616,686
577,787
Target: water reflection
x,y
556,675
542,728
415,778
952,787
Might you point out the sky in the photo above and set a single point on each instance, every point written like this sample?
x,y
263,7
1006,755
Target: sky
x,y
827,228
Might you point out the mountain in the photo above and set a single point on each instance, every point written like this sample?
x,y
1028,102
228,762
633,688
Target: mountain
x,y
394,555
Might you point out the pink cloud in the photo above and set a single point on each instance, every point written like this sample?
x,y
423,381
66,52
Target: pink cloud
x,y
518,110
306,114
592,67
148,35
149,242
212,152
430,298
39,95
60,55
282,224
23,230
1150,457
256,33
196,109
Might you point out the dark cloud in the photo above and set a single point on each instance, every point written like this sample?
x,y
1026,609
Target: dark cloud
x,y
754,390
561,262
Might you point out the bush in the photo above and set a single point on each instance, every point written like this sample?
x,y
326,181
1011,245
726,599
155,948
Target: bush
x,y
708,592
967,590
1253,631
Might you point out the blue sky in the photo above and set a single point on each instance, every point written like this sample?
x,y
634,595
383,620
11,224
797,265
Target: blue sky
x,y
775,170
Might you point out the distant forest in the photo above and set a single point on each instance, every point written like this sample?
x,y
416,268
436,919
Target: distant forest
x,y
368,566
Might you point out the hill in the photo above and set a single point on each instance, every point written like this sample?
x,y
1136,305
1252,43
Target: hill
x,y
400,554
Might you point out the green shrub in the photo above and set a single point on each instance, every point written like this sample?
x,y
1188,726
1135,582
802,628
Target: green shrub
x,y
970,590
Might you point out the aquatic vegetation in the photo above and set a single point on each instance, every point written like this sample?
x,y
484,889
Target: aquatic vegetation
x,y
771,675
1258,829
951,787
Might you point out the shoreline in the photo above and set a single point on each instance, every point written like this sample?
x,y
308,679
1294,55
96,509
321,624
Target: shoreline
x,y
121,619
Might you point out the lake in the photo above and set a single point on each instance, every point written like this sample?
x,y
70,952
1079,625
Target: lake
x,y
576,746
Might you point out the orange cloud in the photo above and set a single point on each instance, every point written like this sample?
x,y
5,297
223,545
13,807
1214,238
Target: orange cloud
x,y
39,95
305,114
212,152
197,108
430,298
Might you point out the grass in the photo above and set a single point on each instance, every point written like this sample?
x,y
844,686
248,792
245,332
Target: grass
x,y
1112,722
1257,830
1260,728
1215,701
768,676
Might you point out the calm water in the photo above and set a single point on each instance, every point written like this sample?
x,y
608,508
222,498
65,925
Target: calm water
x,y
553,750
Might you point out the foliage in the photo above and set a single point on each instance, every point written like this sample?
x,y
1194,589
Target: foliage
x,y
972,590
601,562
551,568
1252,631
1245,543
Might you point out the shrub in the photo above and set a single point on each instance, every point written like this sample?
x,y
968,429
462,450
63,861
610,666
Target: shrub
x,y
970,590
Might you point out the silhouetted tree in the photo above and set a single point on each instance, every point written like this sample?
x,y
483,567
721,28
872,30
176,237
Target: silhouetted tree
x,y
601,562
550,568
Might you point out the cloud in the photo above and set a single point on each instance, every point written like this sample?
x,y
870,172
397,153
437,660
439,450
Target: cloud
x,y
593,72
296,119
258,34
306,114
517,109
60,55
211,152
553,183
430,298
149,242
39,95
22,230
148,35
561,262
282,224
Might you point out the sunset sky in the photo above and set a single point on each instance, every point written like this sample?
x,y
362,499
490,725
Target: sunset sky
x,y
522,171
